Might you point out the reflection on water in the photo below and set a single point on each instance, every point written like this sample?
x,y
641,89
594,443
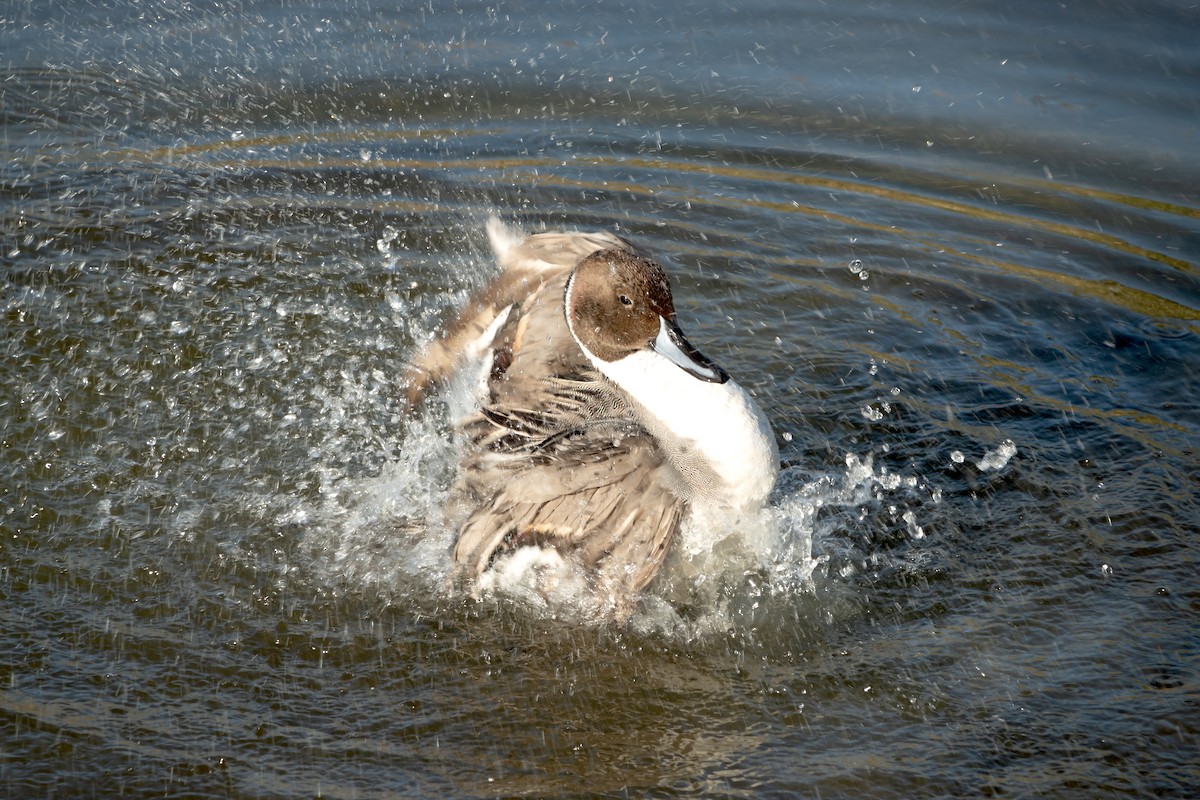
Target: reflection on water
x,y
953,252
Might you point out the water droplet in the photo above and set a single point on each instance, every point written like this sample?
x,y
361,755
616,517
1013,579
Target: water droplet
x,y
386,238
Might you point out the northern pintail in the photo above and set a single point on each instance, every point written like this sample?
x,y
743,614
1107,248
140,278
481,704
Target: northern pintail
x,y
600,426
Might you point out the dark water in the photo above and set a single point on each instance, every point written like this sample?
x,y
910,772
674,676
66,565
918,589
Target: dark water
x,y
954,248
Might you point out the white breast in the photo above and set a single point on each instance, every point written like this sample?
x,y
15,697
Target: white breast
x,y
717,423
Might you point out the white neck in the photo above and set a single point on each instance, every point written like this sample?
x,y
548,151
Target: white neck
x,y
718,423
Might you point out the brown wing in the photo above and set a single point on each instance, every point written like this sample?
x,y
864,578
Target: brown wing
x,y
554,251
598,495
558,460
451,345
555,457
527,265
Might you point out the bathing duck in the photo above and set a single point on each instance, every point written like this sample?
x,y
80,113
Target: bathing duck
x,y
600,427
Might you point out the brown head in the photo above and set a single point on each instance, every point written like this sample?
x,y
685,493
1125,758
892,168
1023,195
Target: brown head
x,y
619,303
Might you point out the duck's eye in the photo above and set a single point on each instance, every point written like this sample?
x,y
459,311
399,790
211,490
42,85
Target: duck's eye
x,y
625,301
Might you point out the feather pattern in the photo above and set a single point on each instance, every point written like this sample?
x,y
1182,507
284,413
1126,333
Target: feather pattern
x,y
572,447
558,459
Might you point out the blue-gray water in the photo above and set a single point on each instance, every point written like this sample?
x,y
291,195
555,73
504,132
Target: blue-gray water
x,y
954,249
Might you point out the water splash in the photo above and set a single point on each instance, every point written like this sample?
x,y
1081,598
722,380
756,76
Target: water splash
x,y
388,535
997,459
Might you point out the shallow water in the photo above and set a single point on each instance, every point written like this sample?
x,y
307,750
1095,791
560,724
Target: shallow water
x,y
954,251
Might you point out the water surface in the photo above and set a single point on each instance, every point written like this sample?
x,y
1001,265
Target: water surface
x,y
954,250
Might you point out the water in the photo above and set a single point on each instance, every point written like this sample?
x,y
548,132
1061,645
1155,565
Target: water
x,y
954,250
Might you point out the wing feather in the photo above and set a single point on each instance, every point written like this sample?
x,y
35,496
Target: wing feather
x,y
556,457
615,516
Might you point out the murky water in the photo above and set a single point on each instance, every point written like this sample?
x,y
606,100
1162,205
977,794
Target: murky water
x,y
954,250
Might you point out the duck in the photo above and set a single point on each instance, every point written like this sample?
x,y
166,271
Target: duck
x,y
599,428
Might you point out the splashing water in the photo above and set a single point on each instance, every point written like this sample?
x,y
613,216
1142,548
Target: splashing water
x,y
389,534
968,311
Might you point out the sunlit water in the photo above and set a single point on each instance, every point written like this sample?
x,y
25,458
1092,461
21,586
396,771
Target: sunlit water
x,y
952,249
